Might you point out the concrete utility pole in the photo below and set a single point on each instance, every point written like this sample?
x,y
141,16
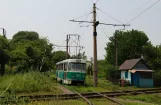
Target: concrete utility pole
x,y
95,23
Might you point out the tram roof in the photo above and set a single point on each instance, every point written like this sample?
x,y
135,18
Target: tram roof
x,y
72,60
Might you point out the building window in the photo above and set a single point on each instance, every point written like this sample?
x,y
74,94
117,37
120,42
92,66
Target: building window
x,y
126,74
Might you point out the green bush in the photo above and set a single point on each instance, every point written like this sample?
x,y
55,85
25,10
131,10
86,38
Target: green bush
x,y
27,83
157,77
113,74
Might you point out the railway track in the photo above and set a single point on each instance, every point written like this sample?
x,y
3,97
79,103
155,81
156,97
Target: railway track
x,y
89,95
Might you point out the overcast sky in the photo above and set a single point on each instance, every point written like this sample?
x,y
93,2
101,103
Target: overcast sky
x,y
51,18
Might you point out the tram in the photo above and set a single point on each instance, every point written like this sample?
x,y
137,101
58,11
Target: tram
x,y
71,71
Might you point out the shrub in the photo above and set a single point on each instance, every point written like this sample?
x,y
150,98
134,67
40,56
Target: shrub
x,y
157,77
27,83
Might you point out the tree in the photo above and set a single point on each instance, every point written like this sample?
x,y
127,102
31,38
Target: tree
x,y
25,35
152,55
4,44
29,52
79,56
58,56
129,44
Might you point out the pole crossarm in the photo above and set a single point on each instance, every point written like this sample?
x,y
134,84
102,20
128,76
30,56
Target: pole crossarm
x,y
116,24
80,21
100,23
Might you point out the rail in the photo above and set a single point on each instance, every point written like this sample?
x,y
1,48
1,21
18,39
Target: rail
x,y
85,99
110,98
88,95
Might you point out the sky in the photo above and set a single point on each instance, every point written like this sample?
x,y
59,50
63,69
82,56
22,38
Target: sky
x,y
50,18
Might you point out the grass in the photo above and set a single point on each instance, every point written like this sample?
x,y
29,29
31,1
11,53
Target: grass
x,y
60,102
149,98
32,83
103,86
102,101
136,103
28,83
74,102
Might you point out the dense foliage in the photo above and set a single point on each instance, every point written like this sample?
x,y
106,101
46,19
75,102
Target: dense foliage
x,y
4,46
129,45
26,51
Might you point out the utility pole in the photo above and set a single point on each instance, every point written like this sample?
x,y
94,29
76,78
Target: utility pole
x,y
116,57
95,71
95,23
4,32
67,48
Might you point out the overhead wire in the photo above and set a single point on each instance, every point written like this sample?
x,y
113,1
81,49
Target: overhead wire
x,y
102,29
110,16
85,20
96,1
81,22
82,16
138,8
143,11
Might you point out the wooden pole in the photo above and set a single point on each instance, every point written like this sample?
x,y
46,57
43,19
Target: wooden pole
x,y
95,71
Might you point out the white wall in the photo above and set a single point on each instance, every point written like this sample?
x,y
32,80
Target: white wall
x,y
123,76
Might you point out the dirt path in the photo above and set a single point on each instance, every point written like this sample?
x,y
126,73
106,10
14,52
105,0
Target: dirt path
x,y
65,90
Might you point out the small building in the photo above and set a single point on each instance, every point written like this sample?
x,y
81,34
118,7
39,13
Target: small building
x,y
137,72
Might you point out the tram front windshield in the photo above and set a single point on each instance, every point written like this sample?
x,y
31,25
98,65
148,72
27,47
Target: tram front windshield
x,y
77,66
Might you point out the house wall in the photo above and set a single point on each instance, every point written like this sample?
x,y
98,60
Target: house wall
x,y
141,65
123,75
146,83
145,79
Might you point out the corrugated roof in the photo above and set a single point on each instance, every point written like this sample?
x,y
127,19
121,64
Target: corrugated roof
x,y
129,64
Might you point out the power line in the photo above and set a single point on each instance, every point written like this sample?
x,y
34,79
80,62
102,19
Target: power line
x,y
102,28
82,16
87,15
110,16
97,1
139,7
86,19
103,31
143,12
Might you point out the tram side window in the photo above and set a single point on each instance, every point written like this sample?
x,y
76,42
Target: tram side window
x,y
69,66
61,66
65,66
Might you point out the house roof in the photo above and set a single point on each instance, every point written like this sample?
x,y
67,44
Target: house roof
x,y
129,64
